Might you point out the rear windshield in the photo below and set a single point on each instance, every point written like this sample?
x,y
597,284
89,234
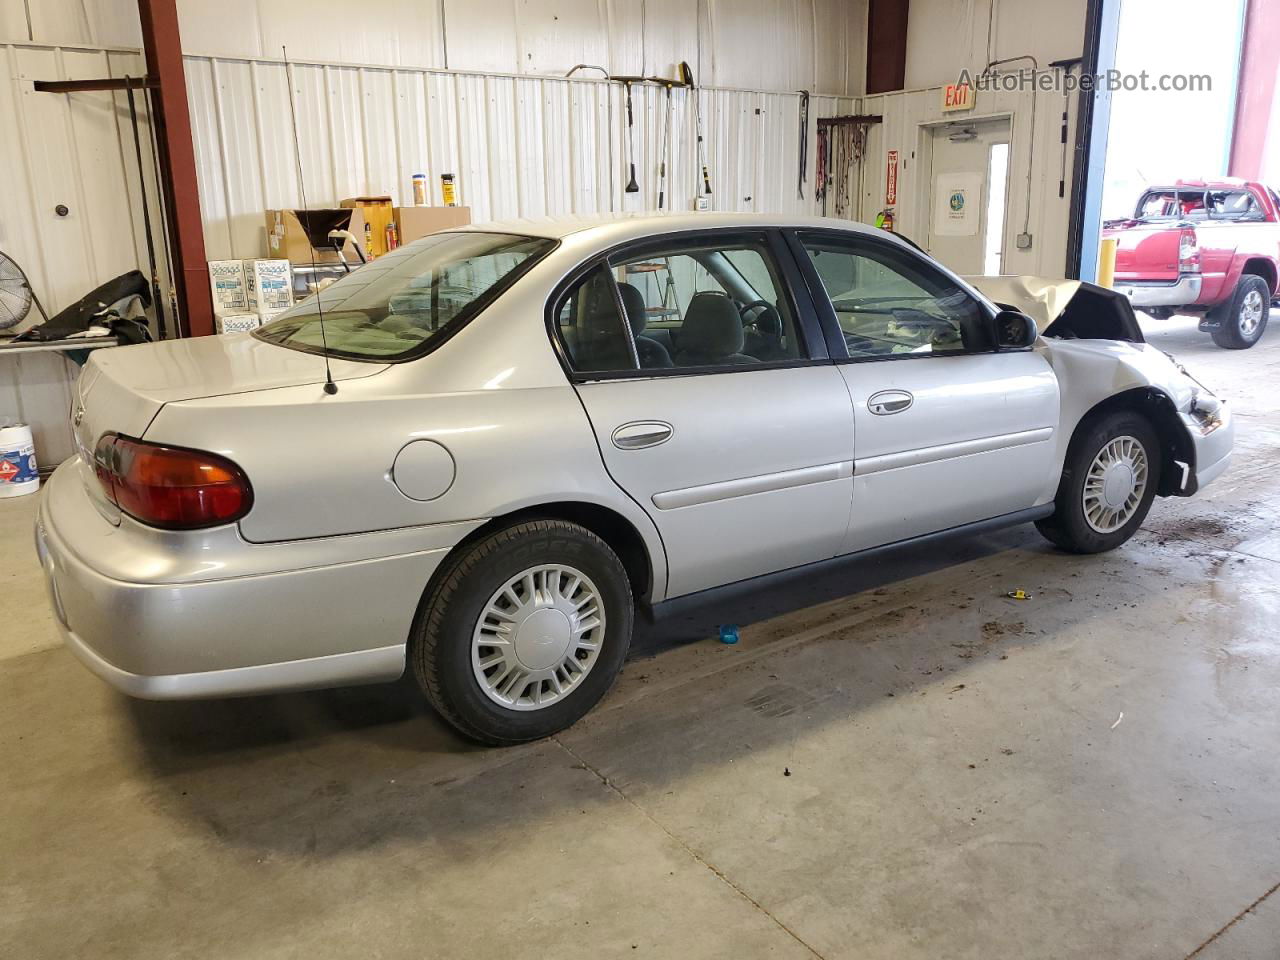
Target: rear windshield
x,y
1193,204
400,305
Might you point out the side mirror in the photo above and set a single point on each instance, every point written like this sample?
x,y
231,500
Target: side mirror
x,y
1013,330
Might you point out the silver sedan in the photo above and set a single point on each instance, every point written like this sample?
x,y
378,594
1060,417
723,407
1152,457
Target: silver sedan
x,y
479,455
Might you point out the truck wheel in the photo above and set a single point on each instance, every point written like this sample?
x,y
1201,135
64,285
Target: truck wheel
x,y
1242,319
1108,482
525,630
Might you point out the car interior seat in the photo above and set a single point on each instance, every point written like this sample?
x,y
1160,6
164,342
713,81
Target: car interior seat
x,y
712,333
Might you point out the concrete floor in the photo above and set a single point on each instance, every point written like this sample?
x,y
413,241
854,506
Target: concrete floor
x,y
896,761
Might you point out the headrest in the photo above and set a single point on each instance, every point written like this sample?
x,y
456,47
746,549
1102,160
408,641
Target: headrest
x,y
633,303
712,326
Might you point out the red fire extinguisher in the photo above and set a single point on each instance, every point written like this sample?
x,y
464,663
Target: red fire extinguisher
x,y
884,220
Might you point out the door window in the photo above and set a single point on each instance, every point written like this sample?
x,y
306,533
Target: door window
x,y
707,305
891,303
591,326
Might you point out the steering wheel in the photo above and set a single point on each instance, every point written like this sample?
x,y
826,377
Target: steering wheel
x,y
751,306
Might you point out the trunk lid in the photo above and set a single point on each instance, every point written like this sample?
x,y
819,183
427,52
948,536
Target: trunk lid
x,y
1146,251
121,389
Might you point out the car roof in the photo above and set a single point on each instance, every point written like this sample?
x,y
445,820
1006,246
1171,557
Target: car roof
x,y
619,227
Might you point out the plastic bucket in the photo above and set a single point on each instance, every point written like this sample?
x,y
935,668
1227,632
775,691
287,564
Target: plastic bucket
x,y
18,473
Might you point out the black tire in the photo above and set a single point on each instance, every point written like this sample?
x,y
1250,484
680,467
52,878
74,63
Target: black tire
x,y
1068,527
440,644
1234,331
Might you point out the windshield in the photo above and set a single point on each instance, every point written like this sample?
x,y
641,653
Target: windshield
x,y
401,304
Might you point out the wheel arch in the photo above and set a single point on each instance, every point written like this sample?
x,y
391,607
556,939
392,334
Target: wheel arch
x,y
1260,267
1158,409
609,525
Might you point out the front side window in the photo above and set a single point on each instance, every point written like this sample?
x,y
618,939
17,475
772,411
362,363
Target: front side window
x,y
395,307
890,302
701,304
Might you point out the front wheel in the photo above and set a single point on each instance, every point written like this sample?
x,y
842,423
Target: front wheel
x,y
1108,482
524,632
1242,319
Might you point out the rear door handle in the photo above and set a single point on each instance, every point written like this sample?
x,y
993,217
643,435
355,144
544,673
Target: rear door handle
x,y
642,433
889,401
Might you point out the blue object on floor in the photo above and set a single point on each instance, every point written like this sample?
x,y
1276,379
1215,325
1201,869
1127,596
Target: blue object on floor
x,y
728,633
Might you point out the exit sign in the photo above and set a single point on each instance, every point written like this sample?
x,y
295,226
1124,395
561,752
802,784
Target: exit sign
x,y
957,96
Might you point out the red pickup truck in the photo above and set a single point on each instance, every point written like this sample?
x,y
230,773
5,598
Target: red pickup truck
x,y
1206,248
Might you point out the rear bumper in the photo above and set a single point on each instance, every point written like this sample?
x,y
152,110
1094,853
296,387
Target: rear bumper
x,y
294,627
1176,293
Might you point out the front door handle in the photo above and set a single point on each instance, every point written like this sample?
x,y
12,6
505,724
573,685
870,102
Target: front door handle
x,y
889,401
642,433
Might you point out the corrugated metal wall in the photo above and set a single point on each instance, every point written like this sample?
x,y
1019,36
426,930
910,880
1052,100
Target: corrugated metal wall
x,y
776,45
75,150
518,146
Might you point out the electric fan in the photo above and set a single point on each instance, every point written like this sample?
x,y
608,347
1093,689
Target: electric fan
x,y
16,296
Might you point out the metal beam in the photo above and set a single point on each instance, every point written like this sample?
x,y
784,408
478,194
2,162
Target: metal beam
x,y
1093,124
81,86
163,47
886,45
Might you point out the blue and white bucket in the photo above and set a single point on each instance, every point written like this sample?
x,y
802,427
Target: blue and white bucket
x,y
18,473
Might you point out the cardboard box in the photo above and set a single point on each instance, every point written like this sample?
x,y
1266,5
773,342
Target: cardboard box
x,y
301,236
377,212
228,286
270,287
238,323
415,222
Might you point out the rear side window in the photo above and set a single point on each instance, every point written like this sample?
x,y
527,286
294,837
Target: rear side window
x,y
399,305
890,302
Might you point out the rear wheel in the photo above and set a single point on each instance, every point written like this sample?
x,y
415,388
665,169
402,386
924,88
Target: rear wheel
x,y
1108,482
1242,319
525,631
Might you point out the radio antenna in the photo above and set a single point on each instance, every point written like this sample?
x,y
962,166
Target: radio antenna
x,y
329,386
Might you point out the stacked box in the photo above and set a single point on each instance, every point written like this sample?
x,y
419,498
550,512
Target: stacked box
x,y
270,287
227,284
237,323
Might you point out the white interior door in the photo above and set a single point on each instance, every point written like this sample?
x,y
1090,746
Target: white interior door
x,y
967,190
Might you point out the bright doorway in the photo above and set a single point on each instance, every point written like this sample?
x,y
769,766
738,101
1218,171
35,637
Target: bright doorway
x,y
968,194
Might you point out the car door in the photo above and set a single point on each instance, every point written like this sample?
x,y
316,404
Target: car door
x,y
948,430
743,460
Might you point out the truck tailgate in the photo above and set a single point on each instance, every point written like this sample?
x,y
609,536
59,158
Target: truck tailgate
x,y
1146,252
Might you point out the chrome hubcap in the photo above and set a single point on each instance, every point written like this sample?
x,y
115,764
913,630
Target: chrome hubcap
x,y
1115,483
538,637
1251,312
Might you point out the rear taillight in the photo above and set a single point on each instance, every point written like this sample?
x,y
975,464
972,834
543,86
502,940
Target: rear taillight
x,y
171,487
1188,252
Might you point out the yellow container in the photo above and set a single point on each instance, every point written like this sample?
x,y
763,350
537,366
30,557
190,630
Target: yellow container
x,y
1107,262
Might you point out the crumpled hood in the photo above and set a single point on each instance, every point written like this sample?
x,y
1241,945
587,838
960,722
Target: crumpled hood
x,y
1041,298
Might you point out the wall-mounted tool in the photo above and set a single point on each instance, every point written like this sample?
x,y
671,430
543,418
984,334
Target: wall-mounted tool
x,y
632,186
665,151
1066,66
804,143
842,141
686,78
